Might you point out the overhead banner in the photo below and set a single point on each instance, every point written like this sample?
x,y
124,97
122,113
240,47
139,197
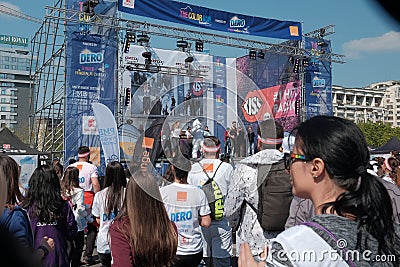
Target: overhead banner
x,y
212,19
318,79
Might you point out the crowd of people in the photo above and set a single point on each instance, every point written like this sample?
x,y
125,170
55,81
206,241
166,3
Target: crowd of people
x,y
322,194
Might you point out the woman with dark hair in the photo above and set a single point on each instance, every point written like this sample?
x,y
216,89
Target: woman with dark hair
x,y
73,193
354,217
50,215
14,218
106,206
390,168
142,234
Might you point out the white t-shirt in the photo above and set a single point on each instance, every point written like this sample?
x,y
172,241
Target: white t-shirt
x,y
184,203
86,172
98,210
223,177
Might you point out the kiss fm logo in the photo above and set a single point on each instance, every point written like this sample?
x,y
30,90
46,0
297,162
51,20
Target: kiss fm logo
x,y
252,105
87,57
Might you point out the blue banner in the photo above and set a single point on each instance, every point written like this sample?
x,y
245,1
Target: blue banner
x,y
220,96
212,19
90,77
318,79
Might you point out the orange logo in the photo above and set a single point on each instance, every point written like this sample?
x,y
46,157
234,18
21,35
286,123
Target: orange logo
x,y
148,142
181,196
208,167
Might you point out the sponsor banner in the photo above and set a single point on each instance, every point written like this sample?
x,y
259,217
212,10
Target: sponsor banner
x,y
212,19
220,97
108,132
90,76
272,102
318,79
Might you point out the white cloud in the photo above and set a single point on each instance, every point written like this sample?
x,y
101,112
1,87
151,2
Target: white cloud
x,y
388,42
9,8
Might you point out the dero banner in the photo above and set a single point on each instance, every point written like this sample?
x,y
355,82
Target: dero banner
x,y
212,19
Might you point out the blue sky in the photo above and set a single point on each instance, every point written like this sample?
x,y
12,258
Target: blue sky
x,y
364,32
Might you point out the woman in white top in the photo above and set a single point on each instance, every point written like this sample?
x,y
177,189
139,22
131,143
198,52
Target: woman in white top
x,y
106,205
71,191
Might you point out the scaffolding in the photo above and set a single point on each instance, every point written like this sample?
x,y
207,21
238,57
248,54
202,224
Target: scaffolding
x,y
48,70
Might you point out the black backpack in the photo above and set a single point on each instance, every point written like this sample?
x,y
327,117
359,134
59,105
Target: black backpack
x,y
274,196
214,196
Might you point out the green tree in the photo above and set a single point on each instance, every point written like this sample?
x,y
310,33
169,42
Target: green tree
x,y
378,133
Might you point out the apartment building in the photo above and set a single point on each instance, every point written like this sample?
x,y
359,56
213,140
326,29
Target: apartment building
x,y
15,89
375,102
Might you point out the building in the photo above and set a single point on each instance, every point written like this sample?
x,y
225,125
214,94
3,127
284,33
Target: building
x,y
15,91
376,102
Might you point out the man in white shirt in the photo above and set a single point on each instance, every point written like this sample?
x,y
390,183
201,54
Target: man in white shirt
x,y
218,237
188,208
89,181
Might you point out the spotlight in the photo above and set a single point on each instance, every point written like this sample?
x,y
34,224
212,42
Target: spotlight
x,y
253,54
143,38
296,65
322,32
322,44
189,59
305,62
199,46
182,44
147,56
261,54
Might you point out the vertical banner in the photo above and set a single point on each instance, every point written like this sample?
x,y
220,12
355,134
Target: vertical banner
x,y
220,96
318,79
91,57
108,132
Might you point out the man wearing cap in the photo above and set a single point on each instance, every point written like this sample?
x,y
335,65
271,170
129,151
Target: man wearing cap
x,y
243,192
89,181
218,237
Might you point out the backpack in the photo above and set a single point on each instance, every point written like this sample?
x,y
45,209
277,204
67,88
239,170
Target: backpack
x,y
214,196
274,196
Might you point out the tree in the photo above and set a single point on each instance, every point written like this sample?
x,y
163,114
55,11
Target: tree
x,y
378,133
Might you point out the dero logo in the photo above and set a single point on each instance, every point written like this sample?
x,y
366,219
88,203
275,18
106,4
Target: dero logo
x,y
87,57
252,105
235,22
128,3
318,82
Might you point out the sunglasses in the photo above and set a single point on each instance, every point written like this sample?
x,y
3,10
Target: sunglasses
x,y
289,158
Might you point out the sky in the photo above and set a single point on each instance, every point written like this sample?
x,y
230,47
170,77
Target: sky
x,y
367,35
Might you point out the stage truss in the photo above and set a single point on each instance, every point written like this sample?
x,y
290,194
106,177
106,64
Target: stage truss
x,y
48,71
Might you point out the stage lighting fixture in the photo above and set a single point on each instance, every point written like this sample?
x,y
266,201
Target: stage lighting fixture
x,y
322,44
143,38
296,65
253,54
147,56
127,96
291,60
261,54
199,46
322,32
182,44
130,38
189,59
305,62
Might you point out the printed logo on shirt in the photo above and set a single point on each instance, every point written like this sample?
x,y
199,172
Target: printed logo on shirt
x,y
181,196
181,216
208,167
79,166
108,217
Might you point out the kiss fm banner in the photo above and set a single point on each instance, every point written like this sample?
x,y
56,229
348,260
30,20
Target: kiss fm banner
x,y
318,79
90,78
212,19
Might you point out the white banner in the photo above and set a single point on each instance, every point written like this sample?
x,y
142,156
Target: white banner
x,y
108,132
